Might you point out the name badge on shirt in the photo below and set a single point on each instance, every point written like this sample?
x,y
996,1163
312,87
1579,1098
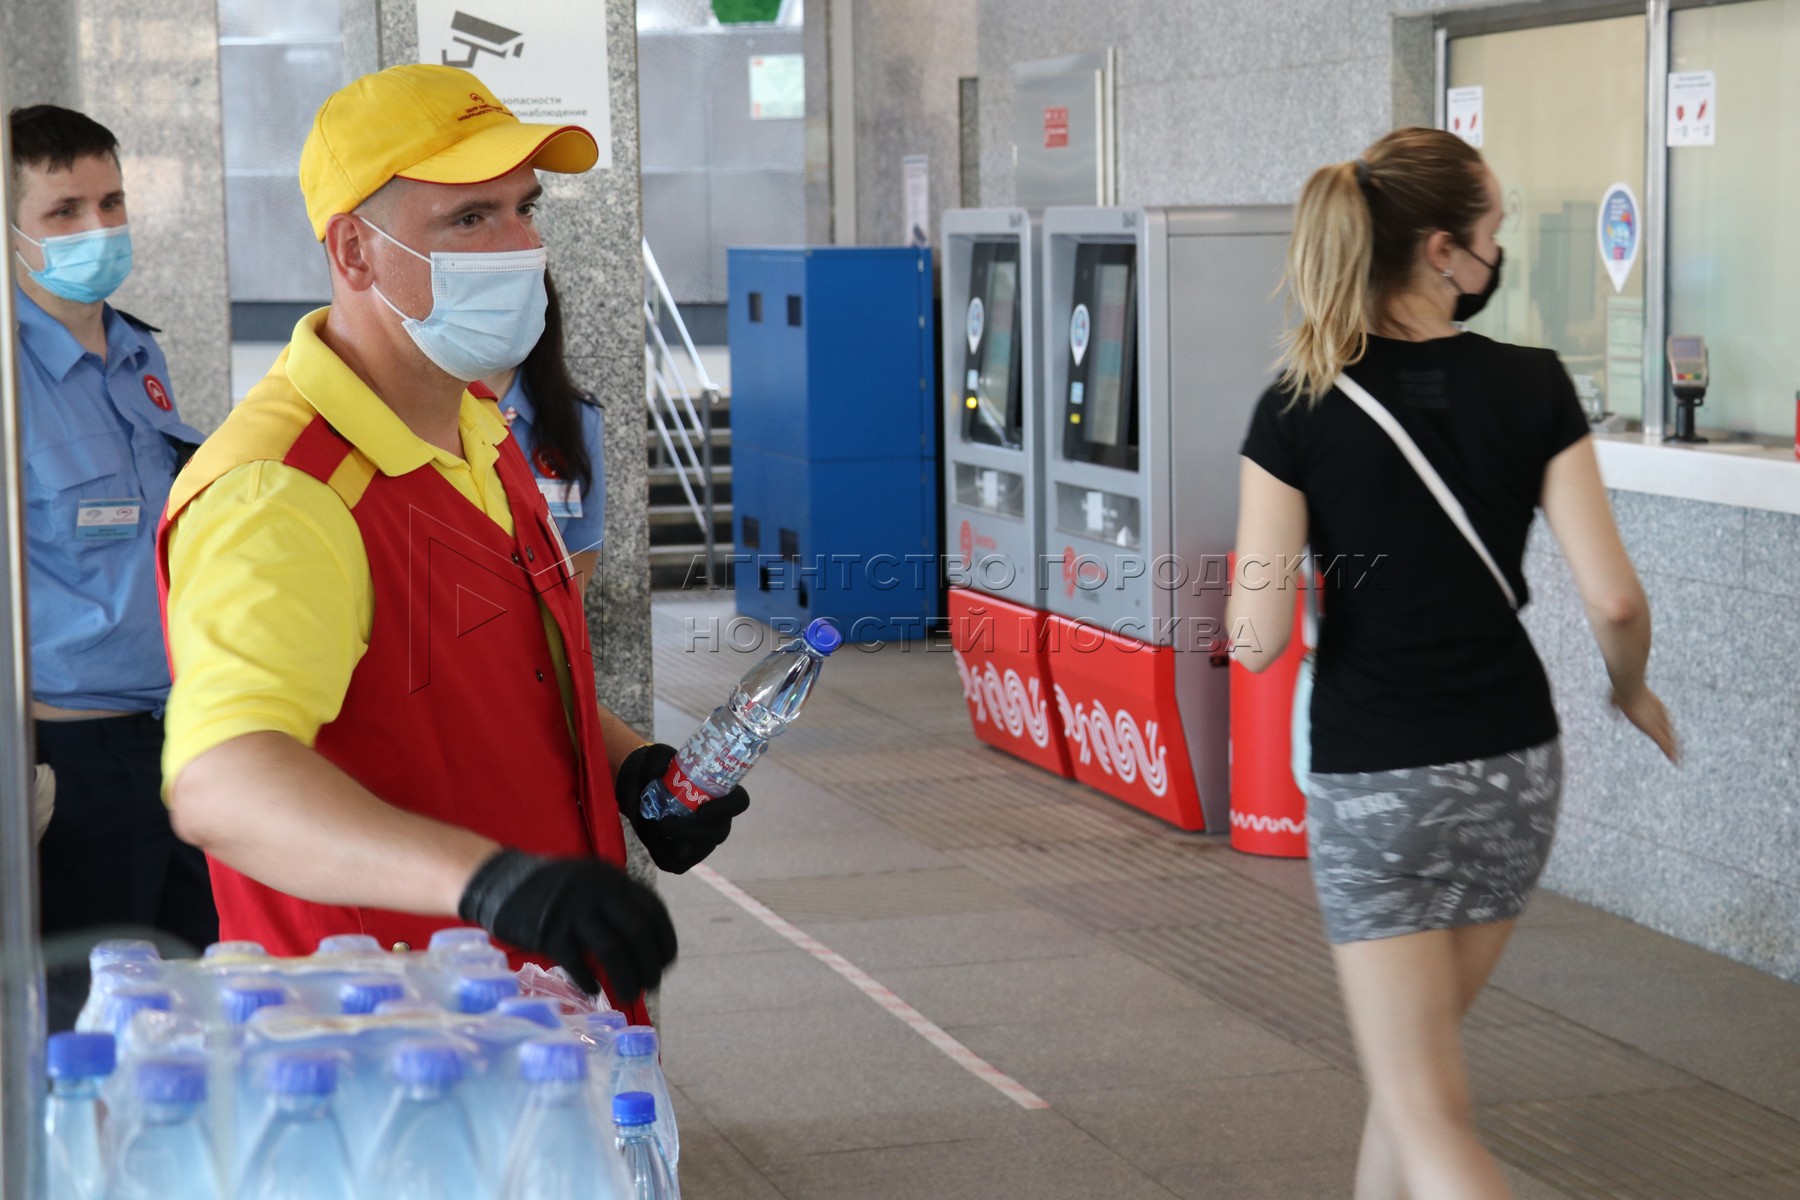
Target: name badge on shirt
x,y
107,520
563,497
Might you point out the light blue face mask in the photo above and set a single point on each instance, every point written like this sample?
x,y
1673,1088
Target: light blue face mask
x,y
487,309
85,267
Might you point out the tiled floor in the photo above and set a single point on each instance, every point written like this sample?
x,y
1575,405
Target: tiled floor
x,y
1170,1001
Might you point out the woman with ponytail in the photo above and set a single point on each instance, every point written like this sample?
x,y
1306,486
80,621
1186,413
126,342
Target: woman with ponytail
x,y
1435,767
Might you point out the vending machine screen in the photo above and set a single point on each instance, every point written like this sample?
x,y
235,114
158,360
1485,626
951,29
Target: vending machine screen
x,y
993,408
1100,419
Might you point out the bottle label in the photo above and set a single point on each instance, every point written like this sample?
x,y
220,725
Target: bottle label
x,y
683,788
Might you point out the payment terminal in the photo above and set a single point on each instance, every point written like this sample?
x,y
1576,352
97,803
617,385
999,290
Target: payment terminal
x,y
1688,375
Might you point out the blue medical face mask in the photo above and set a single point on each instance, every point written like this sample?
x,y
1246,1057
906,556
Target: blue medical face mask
x,y
487,309
85,267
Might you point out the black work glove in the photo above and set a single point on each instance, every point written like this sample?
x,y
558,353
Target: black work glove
x,y
675,842
576,911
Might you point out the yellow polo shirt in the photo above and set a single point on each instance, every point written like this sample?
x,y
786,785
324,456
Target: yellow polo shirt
x,y
270,596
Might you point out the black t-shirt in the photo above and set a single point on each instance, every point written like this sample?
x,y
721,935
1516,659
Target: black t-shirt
x,y
1421,661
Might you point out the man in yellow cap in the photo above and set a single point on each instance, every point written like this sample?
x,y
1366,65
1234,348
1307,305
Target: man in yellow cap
x,y
383,711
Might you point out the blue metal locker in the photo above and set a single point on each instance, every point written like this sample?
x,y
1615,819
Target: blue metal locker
x,y
834,438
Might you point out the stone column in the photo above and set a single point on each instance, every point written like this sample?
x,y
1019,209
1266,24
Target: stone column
x,y
593,226
149,73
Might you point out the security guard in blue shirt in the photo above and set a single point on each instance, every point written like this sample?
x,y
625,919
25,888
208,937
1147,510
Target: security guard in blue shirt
x,y
102,443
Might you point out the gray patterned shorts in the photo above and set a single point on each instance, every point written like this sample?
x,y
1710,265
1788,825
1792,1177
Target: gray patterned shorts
x,y
1397,852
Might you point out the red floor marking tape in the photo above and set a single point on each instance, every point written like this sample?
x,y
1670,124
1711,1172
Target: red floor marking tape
x,y
958,1053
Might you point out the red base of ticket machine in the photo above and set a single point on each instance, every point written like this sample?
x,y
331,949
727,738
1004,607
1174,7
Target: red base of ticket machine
x,y
1121,720
1000,654
1268,810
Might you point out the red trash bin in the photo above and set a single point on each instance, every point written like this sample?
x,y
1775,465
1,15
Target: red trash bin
x,y
1268,810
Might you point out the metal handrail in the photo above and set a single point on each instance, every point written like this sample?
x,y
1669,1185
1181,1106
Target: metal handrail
x,y
21,961
664,381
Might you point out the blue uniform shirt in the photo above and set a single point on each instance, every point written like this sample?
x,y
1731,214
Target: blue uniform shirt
x,y
100,454
580,518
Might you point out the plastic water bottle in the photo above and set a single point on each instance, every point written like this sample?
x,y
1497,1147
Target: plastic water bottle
x,y
482,992
114,950
78,1063
445,941
126,1001
535,1009
235,950
348,943
167,1153
108,977
359,994
241,998
425,1149
494,1101
721,752
635,1069
301,1154
635,1115
560,1151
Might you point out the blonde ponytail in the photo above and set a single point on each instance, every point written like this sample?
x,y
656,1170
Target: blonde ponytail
x,y
1330,260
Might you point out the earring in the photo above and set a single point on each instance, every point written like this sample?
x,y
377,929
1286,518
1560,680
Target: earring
x,y
1447,274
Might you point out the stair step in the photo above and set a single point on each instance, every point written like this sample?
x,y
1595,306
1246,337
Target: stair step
x,y
664,515
671,476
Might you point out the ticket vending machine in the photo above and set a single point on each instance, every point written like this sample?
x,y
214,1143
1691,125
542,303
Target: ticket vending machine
x,y
1161,330
993,481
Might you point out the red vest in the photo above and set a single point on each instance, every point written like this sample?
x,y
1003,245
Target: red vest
x,y
455,711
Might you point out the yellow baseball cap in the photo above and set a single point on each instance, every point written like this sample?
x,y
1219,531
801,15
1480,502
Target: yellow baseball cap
x,y
430,123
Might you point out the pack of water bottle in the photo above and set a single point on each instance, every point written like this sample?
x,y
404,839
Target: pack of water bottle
x,y
352,1074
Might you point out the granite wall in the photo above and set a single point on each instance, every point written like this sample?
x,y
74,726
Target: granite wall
x,y
1225,101
593,226
150,73
1709,851
910,55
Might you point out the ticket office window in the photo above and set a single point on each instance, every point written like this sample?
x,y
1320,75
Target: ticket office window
x,y
993,379
1734,242
1562,120
1100,409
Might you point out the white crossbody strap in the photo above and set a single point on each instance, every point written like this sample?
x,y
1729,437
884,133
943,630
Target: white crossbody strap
x,y
1433,481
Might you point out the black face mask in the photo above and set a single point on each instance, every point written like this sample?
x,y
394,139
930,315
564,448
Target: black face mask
x,y
1470,304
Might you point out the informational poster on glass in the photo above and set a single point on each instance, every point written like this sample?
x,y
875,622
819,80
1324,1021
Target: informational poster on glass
x,y
546,61
1624,355
1693,108
915,175
1462,114
778,87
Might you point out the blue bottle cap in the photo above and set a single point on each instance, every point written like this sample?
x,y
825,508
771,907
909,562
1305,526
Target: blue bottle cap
x,y
530,1008
427,1060
638,1041
546,1060
126,1002
823,635
234,949
361,993
171,1081
82,1055
634,1108
114,950
241,998
348,943
609,1021
300,1073
480,993
459,935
